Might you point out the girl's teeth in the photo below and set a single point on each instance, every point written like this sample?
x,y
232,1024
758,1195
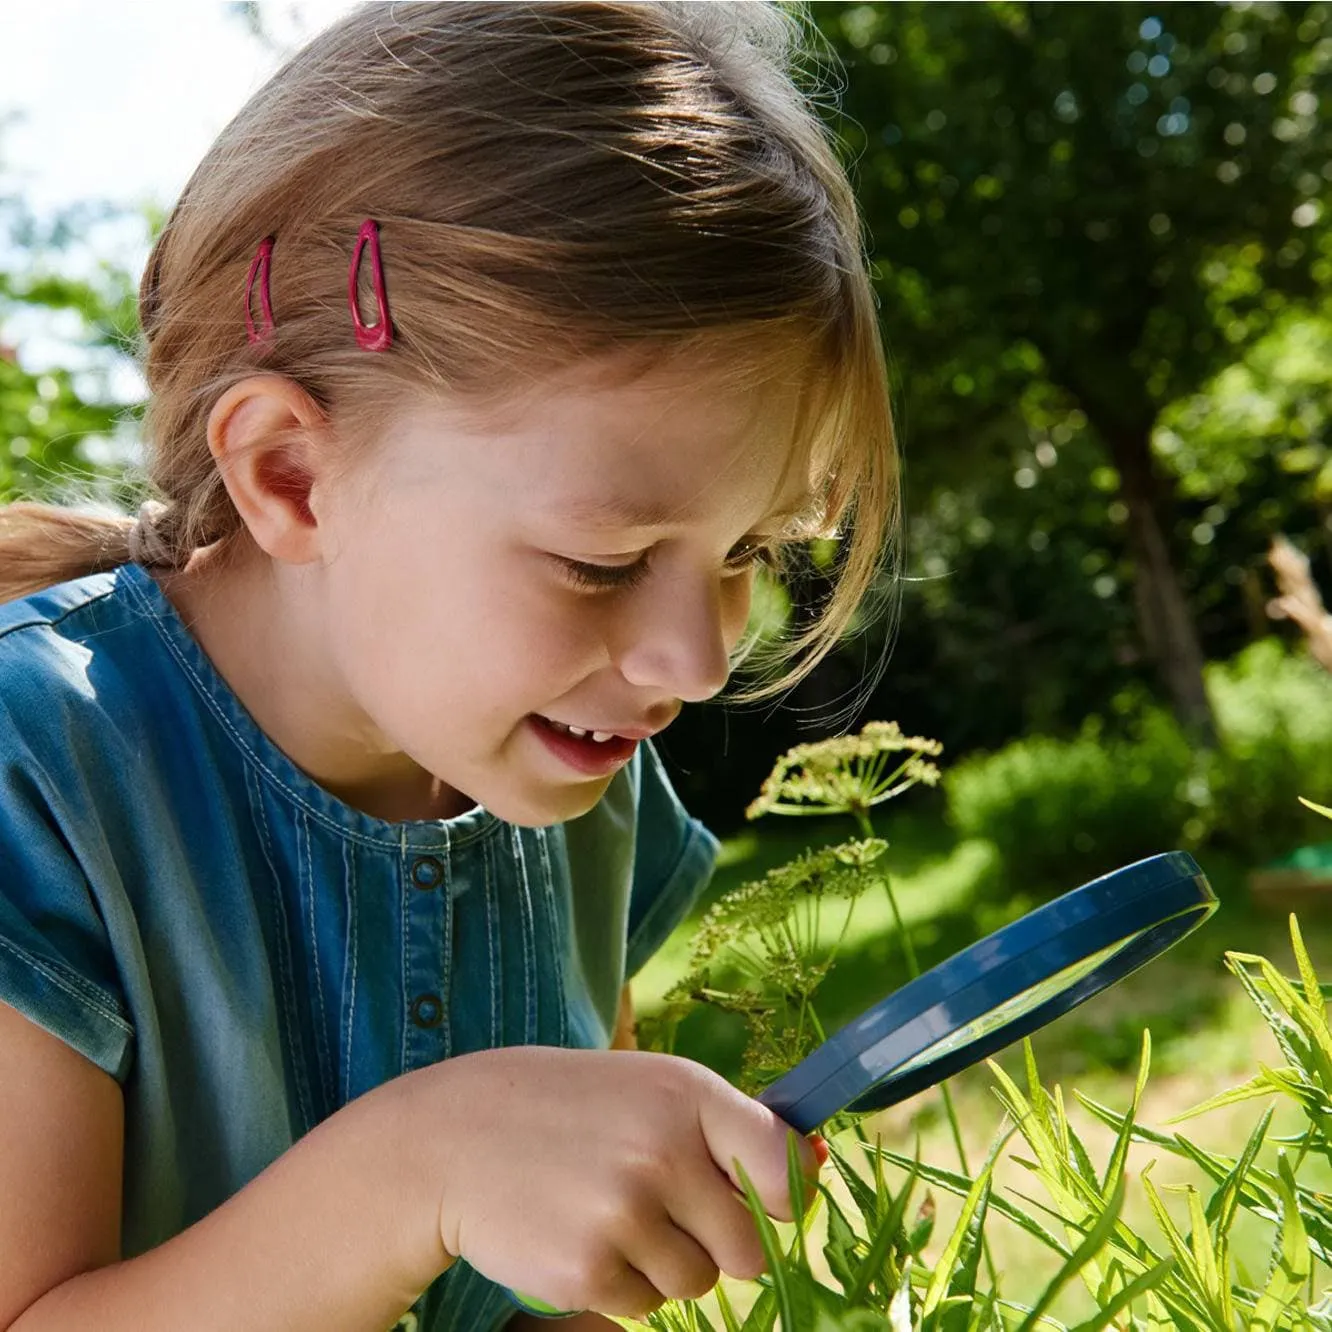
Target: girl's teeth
x,y
599,736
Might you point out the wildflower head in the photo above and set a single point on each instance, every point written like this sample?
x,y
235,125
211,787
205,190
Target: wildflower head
x,y
848,773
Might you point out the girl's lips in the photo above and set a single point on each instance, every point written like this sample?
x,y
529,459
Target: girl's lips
x,y
595,758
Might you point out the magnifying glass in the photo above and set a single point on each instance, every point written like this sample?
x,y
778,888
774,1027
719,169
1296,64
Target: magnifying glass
x,y
1010,984
1007,986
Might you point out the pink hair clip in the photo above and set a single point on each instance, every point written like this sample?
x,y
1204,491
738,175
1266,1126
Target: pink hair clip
x,y
260,267
376,336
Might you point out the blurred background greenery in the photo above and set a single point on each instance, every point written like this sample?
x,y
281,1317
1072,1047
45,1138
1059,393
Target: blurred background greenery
x,y
1103,252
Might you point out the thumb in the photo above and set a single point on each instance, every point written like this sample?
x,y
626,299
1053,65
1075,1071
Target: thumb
x,y
739,1131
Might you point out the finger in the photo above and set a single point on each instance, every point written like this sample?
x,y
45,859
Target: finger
x,y
626,1294
706,1205
736,1127
675,1262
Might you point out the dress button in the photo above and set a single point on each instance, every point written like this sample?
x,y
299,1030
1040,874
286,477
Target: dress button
x,y
427,872
427,1010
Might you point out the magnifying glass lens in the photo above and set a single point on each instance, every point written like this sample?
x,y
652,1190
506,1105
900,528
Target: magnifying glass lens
x,y
1005,1012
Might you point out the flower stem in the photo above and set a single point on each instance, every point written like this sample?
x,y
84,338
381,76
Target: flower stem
x,y
913,966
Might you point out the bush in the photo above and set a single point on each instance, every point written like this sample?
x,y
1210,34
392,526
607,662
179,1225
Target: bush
x,y
1274,714
1060,809
1057,809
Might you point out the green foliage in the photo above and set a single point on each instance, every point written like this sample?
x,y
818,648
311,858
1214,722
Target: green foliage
x,y
763,950
1083,217
1269,410
63,429
1180,1276
877,1240
1274,713
1062,808
1047,185
1058,809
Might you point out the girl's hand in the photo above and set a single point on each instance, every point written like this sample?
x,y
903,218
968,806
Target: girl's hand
x,y
599,1179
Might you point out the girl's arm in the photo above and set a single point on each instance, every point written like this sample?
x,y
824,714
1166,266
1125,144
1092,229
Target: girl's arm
x,y
319,1242
62,1126
492,1156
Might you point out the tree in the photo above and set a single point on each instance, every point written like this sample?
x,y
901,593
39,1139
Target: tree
x,y
1107,200
53,418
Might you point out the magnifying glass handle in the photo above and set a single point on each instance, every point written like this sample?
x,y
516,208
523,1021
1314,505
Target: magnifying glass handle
x,y
530,1302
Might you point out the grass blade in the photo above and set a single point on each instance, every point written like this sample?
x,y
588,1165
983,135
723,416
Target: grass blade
x,y
730,1322
960,1185
1290,1256
1313,992
1114,1169
882,1243
1136,1289
944,1279
772,1251
1096,1240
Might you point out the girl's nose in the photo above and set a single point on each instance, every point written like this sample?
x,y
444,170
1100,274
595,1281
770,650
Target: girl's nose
x,y
676,638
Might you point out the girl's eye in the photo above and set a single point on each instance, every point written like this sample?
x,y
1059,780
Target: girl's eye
x,y
743,557
595,576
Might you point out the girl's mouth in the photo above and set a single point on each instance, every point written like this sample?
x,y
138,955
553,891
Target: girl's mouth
x,y
586,752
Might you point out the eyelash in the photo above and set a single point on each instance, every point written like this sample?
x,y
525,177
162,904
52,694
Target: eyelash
x,y
622,576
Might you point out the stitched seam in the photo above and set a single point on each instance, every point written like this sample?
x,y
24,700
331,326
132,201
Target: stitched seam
x,y
71,983
402,951
531,1017
349,964
496,954
59,619
254,758
305,871
284,961
553,915
446,978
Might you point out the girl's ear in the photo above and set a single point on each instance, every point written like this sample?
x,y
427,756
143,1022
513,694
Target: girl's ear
x,y
263,433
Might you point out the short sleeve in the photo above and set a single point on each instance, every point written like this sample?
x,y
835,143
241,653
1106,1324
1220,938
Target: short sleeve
x,y
673,862
57,966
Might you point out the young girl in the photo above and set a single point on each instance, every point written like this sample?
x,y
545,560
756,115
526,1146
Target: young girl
x,y
490,349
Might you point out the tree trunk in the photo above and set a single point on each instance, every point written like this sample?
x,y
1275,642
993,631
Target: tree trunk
x,y
1164,618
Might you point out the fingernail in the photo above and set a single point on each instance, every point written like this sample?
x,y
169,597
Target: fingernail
x,y
820,1148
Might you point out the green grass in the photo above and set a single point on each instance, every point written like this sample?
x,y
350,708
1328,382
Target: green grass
x,y
1206,1035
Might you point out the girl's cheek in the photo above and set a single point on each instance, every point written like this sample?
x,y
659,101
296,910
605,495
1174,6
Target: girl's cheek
x,y
737,598
558,630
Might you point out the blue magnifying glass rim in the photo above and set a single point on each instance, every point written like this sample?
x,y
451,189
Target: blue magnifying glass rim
x,y
874,1061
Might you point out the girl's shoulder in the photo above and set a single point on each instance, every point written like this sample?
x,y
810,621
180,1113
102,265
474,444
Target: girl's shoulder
x,y
78,661
52,607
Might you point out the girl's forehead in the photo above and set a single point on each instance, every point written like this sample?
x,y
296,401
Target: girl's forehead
x,y
625,453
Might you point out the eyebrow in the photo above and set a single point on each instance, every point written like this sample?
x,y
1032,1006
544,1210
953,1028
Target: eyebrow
x,y
619,510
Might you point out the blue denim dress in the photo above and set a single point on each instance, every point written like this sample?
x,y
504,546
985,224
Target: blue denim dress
x,y
243,952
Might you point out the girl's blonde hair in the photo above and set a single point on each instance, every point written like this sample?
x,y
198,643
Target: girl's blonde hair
x,y
552,182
